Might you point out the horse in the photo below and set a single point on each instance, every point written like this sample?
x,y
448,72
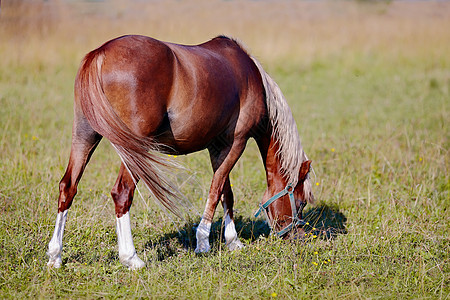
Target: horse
x,y
149,97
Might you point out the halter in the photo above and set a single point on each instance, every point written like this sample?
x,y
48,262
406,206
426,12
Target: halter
x,y
295,220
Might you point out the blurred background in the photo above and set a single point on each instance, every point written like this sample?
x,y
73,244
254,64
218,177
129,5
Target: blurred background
x,y
299,31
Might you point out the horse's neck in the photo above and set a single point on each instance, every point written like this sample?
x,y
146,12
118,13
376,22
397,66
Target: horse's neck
x,y
269,148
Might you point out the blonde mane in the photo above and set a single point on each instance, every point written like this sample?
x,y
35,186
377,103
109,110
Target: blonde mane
x,y
285,132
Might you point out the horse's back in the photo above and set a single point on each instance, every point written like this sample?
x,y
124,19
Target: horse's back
x,y
226,88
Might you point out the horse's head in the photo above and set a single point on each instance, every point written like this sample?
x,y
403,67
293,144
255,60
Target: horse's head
x,y
284,204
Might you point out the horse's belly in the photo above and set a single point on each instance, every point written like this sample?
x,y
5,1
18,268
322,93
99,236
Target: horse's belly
x,y
187,132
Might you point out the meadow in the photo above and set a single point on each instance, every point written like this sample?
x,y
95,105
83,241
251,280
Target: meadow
x,y
369,86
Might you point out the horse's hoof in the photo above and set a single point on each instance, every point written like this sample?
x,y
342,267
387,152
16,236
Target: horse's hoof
x,y
133,263
202,248
235,245
54,262
136,264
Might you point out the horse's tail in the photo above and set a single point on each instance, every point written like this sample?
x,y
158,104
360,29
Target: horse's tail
x,y
285,132
137,153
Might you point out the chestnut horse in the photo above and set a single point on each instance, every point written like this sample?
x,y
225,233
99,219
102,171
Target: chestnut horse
x,y
146,96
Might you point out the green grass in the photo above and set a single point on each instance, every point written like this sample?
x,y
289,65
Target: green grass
x,y
375,124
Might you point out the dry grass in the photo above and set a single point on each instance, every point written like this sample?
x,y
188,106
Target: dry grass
x,y
297,30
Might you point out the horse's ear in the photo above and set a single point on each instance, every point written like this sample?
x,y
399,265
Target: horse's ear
x,y
304,170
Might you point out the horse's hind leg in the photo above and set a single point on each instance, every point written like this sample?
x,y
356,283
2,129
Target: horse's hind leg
x,y
122,194
84,142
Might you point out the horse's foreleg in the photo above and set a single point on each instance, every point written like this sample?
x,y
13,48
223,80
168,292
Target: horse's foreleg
x,y
122,194
223,161
227,200
231,238
84,142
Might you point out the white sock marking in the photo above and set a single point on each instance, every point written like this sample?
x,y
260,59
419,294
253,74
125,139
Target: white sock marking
x,y
55,245
231,237
127,252
203,230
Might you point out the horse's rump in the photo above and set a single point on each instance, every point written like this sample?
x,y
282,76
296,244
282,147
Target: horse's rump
x,y
138,153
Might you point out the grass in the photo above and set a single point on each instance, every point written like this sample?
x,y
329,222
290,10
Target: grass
x,y
369,86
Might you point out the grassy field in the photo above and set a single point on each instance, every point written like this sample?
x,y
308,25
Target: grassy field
x,y
369,86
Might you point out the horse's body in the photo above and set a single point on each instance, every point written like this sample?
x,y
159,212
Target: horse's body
x,y
143,94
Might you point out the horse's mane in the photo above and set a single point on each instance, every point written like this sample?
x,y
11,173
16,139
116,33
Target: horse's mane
x,y
285,132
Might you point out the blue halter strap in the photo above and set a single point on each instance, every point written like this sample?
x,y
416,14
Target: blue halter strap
x,y
295,220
